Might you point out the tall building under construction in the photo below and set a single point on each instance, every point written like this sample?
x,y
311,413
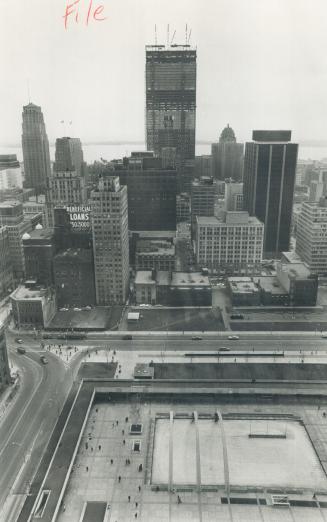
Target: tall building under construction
x,y
171,102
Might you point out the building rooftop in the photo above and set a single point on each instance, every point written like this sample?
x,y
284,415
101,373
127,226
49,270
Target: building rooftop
x,y
22,292
295,270
270,284
75,253
242,285
189,279
229,218
155,247
144,277
40,233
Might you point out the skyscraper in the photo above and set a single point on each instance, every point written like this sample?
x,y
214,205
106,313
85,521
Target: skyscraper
x,y
171,100
110,241
227,156
35,149
69,155
269,179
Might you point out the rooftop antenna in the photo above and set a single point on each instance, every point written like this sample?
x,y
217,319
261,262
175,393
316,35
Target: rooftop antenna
x,y
167,35
173,38
186,34
189,36
155,34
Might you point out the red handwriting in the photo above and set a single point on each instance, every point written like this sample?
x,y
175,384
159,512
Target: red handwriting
x,y
79,13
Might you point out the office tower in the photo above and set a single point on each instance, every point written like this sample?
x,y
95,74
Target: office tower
x,y
232,242
203,166
203,199
233,195
6,272
311,235
66,189
269,179
5,378
171,101
151,191
35,149
227,156
110,241
39,250
74,277
12,217
69,155
10,172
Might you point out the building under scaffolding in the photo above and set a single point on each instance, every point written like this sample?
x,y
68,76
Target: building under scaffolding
x,y
171,103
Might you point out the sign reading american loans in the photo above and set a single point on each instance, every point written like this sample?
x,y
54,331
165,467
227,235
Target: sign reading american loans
x,y
79,216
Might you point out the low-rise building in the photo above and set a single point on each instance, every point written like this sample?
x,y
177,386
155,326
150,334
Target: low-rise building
x,y
155,255
39,251
145,287
243,291
173,288
300,284
33,306
271,291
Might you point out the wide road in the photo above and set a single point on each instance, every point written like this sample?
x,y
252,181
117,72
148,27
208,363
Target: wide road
x,y
147,342
28,424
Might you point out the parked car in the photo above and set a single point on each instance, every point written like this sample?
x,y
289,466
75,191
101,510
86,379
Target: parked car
x,y
127,337
196,338
324,335
224,349
233,337
237,316
19,341
21,350
43,359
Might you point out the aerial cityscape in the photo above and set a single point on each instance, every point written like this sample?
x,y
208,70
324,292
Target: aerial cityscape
x,y
163,303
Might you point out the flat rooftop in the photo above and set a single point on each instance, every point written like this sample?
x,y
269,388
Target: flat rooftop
x,y
189,279
243,285
22,293
144,277
270,284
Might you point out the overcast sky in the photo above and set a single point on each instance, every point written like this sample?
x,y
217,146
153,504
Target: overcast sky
x,y
261,64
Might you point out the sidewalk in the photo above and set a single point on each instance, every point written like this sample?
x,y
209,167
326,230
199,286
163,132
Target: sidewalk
x,y
7,398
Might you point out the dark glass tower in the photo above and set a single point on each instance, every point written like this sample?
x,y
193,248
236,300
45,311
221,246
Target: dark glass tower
x,y
35,149
227,157
171,102
269,179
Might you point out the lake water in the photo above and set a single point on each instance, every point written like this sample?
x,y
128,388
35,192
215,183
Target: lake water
x,y
111,151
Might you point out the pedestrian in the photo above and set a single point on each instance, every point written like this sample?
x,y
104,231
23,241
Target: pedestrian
x,y
179,500
135,516
140,467
124,442
123,432
119,478
99,447
91,448
139,488
126,419
86,445
129,498
87,468
126,462
136,504
111,461
116,422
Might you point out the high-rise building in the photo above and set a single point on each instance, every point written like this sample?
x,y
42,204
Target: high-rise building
x,y
171,101
110,241
269,180
227,156
203,166
12,217
74,277
151,192
35,148
311,235
233,195
6,272
232,242
66,188
4,363
39,250
204,195
10,172
69,155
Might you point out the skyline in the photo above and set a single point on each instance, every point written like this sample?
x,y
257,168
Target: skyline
x,y
273,77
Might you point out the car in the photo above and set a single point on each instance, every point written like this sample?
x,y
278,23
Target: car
x,y
324,335
20,349
237,316
19,341
43,359
196,338
63,309
224,349
127,337
233,337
